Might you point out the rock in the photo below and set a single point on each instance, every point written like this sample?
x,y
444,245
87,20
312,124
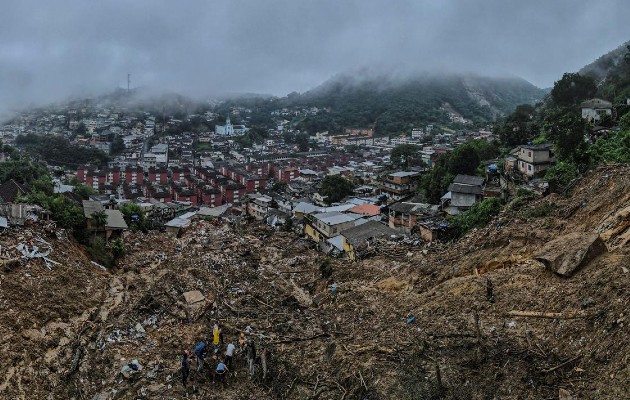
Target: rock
x,y
101,396
156,388
194,296
33,334
567,254
135,365
126,371
132,368
588,302
564,395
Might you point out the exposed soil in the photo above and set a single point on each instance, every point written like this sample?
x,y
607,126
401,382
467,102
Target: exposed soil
x,y
406,322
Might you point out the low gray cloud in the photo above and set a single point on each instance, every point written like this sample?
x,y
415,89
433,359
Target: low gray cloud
x,y
53,49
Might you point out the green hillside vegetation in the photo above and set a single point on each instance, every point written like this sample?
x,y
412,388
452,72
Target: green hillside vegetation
x,y
393,106
558,119
611,73
59,151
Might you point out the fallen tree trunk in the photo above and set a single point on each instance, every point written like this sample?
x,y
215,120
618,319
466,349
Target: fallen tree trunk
x,y
298,339
540,314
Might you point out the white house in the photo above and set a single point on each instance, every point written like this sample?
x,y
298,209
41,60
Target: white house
x,y
593,109
534,160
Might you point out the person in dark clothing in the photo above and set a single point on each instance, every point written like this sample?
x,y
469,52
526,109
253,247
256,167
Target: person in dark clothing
x,y
185,367
200,353
489,291
251,357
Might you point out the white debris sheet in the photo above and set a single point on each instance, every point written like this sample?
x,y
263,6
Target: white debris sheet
x,y
42,251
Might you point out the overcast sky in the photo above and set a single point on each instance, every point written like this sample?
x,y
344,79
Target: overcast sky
x,y
50,49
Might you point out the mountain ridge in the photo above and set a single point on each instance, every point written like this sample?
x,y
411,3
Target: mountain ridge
x,y
394,104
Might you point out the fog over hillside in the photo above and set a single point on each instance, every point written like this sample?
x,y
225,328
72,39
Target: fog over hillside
x,y
52,50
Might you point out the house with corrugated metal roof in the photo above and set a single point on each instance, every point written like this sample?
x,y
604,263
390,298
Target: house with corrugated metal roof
x,y
465,191
322,226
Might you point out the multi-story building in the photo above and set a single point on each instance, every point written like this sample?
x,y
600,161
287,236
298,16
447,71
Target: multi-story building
x,y
400,184
534,160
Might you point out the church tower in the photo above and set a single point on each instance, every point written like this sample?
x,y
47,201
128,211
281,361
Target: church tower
x,y
229,128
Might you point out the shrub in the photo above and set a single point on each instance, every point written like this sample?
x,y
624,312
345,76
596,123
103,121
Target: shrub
x,y
477,216
560,176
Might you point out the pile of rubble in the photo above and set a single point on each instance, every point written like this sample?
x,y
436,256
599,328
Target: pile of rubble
x,y
491,316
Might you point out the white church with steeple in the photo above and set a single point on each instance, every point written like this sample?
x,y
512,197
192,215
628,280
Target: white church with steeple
x,y
230,130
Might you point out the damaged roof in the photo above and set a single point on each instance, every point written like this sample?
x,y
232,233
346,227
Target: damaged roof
x,y
369,230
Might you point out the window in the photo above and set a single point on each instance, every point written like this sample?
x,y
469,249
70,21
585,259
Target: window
x,y
529,167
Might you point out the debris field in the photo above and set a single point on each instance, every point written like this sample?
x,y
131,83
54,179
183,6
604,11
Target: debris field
x,y
532,306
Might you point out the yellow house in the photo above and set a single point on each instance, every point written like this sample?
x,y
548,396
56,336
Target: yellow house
x,y
359,236
310,231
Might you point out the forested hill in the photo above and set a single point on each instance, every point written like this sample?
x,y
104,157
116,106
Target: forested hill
x,y
611,73
394,106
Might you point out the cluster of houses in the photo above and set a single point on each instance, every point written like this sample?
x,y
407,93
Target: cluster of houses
x,y
276,184
282,191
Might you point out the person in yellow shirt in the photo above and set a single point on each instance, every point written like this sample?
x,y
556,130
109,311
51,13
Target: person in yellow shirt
x,y
216,337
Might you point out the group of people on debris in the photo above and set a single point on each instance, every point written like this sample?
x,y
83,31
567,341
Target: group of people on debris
x,y
224,359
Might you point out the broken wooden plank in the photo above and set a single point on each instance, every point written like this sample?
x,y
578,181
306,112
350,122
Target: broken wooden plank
x,y
550,315
562,364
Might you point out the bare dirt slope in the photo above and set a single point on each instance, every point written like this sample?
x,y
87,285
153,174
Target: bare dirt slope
x,y
407,322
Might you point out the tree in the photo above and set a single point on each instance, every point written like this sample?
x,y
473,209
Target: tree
x,y
134,216
624,122
475,217
335,188
22,171
302,141
566,129
435,183
84,191
572,89
519,127
81,129
464,160
560,176
403,153
118,249
43,184
118,145
288,225
100,219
